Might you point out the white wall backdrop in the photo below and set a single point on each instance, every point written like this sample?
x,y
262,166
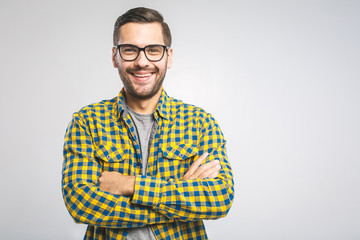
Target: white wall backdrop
x,y
281,77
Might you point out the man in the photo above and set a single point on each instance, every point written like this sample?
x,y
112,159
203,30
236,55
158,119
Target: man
x,y
144,165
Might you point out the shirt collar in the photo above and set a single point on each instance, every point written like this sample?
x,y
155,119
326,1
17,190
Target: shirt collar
x,y
163,107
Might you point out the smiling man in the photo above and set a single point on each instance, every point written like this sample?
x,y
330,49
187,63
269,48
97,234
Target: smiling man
x,y
144,165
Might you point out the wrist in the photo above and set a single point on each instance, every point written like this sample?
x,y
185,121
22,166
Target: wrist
x,y
131,185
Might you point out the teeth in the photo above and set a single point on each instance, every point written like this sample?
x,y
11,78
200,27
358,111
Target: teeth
x,y
144,75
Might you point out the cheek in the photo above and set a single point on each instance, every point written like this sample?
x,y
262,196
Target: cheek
x,y
123,67
162,67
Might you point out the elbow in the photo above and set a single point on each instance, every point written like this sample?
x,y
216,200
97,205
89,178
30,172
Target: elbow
x,y
224,209
78,206
87,206
225,203
228,204
73,206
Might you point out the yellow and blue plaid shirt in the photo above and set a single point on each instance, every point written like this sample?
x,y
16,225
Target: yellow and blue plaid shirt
x,y
102,137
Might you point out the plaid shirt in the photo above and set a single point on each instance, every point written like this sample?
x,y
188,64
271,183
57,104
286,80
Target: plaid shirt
x,y
102,137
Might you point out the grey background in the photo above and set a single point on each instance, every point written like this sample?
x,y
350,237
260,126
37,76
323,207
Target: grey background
x,y
281,78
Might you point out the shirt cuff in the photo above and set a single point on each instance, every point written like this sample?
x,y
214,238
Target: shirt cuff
x,y
147,191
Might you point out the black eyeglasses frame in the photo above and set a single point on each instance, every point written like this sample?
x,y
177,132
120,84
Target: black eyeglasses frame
x,y
165,48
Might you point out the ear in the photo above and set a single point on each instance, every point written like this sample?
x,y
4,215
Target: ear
x,y
114,50
169,57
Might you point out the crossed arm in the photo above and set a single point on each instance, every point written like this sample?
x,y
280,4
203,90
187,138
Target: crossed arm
x,y
110,199
119,184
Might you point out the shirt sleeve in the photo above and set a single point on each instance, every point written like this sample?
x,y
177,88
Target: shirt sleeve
x,y
85,201
190,200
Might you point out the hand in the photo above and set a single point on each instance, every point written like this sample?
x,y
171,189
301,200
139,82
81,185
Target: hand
x,y
210,169
117,183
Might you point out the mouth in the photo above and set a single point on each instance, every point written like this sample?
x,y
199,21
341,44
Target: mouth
x,y
142,76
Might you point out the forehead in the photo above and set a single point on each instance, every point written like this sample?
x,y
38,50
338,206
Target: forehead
x,y
141,34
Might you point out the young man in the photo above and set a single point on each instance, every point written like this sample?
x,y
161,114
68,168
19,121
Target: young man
x,y
144,165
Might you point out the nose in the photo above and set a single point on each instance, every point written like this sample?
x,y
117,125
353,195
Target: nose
x,y
141,60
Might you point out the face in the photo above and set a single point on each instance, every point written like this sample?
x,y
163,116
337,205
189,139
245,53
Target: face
x,y
142,78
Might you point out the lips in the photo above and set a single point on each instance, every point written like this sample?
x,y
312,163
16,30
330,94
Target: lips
x,y
142,75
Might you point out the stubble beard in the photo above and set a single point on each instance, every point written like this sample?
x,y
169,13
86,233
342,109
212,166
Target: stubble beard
x,y
146,93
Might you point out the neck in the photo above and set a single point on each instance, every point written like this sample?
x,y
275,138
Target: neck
x,y
143,106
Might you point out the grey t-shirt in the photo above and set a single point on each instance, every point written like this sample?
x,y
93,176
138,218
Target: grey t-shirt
x,y
145,129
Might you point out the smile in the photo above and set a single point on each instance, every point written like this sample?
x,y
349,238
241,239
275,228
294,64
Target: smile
x,y
142,75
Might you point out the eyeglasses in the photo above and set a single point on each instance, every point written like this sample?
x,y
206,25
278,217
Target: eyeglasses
x,y
153,53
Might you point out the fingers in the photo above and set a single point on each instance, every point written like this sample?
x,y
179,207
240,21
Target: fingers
x,y
116,183
104,177
207,170
101,178
195,165
106,180
210,171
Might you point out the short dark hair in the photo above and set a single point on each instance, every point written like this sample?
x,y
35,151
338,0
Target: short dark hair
x,y
142,15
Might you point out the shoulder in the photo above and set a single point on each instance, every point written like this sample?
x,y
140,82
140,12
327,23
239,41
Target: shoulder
x,y
194,117
178,106
99,109
179,109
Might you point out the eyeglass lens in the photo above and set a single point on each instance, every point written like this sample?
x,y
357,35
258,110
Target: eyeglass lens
x,y
153,53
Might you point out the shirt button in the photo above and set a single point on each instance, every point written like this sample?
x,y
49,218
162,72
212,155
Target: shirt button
x,y
108,157
138,164
181,155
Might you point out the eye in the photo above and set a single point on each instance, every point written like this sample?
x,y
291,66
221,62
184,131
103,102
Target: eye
x,y
154,50
128,50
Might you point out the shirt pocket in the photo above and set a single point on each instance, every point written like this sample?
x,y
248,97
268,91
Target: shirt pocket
x,y
177,159
112,158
